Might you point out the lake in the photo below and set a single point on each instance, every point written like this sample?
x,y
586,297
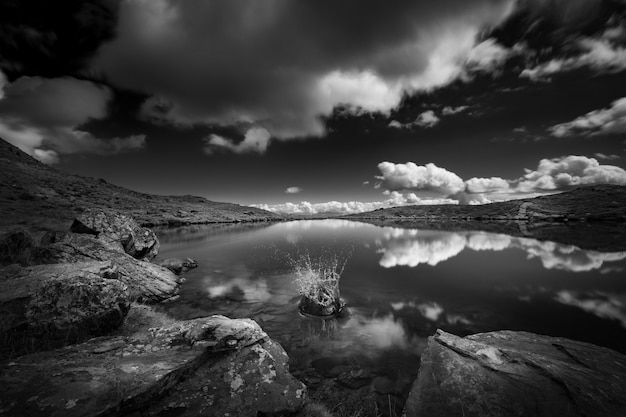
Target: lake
x,y
400,286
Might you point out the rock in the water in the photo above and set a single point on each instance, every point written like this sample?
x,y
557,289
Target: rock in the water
x,y
118,375
139,242
84,298
509,373
178,266
147,282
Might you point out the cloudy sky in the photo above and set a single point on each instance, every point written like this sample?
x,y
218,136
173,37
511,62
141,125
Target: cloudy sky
x,y
312,106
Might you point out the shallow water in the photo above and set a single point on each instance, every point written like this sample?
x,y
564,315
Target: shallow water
x,y
400,285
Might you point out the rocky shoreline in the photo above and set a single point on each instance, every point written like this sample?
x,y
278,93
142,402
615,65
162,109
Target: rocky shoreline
x,y
80,339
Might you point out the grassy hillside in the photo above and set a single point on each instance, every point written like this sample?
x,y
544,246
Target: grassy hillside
x,y
590,217
37,195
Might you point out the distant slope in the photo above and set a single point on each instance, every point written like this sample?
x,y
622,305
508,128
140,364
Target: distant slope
x,y
37,195
590,217
593,202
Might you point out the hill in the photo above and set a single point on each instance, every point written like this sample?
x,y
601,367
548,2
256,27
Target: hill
x,y
590,217
42,197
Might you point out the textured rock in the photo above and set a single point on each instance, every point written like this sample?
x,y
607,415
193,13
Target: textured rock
x,y
83,297
178,266
16,247
517,374
147,282
117,375
139,242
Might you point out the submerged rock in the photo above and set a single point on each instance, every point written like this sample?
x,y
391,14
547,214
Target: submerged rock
x,y
63,300
509,373
228,366
178,266
111,227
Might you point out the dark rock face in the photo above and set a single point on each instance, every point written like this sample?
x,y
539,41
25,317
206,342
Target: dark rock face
x,y
147,282
16,247
82,298
517,374
139,242
229,366
178,266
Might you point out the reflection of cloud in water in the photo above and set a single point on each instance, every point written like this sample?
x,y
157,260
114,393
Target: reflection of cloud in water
x,y
237,288
567,257
488,241
606,306
327,223
410,247
380,332
430,311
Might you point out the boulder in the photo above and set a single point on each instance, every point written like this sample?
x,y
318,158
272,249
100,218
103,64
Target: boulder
x,y
146,281
63,299
177,265
115,228
183,368
16,247
508,373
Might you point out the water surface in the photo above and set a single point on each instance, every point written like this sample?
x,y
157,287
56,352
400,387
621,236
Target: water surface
x,y
401,285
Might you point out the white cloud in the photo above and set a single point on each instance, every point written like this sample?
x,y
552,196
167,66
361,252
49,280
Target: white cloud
x,y
293,190
487,56
426,119
42,117
599,54
273,67
412,177
448,110
484,185
607,157
405,248
565,172
604,121
256,140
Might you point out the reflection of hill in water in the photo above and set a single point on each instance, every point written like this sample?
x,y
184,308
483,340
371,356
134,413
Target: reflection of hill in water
x,y
199,233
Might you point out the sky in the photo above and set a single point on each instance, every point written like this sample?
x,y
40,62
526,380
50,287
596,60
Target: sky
x,y
320,106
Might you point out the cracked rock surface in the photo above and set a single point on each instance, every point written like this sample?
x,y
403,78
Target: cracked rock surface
x,y
508,373
214,364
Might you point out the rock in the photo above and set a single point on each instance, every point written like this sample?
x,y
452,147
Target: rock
x,y
119,375
139,242
81,298
509,373
355,378
311,307
146,281
178,266
16,247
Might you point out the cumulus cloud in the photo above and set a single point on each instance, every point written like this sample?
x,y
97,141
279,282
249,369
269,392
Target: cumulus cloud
x,y
395,199
426,119
256,140
412,248
569,171
273,66
42,117
293,190
484,185
487,56
412,177
611,120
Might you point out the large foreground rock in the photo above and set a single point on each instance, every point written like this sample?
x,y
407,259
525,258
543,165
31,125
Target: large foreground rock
x,y
517,374
230,367
58,300
147,282
115,228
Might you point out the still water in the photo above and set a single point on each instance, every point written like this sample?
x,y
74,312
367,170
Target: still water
x,y
400,285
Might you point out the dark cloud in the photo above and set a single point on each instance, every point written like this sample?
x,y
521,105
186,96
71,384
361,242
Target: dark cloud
x,y
281,64
52,38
